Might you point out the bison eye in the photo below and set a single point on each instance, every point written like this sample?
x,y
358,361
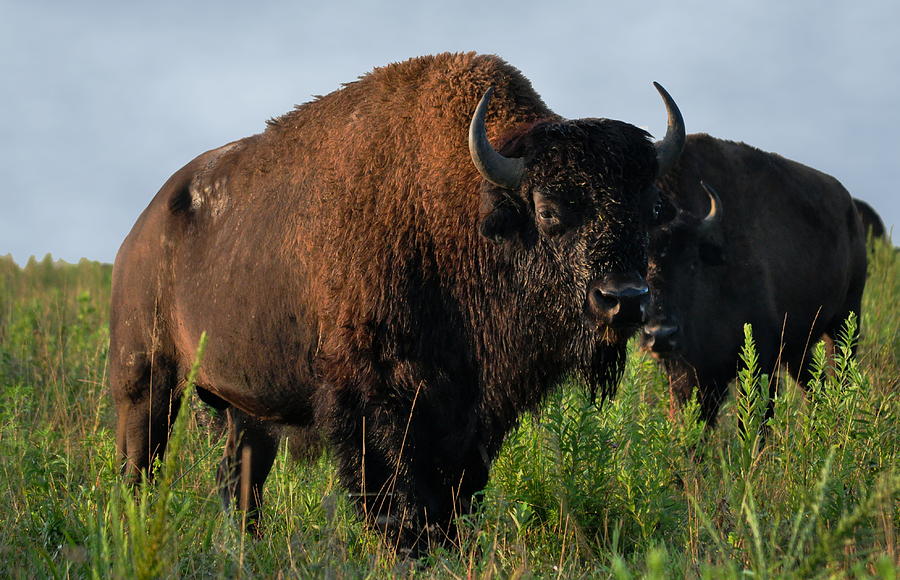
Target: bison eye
x,y
548,216
662,212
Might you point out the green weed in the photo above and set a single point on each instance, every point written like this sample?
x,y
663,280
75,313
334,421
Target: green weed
x,y
622,491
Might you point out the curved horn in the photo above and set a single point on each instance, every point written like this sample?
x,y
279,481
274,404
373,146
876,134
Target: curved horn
x,y
715,208
503,171
669,149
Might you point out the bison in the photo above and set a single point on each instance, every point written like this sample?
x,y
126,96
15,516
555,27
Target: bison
x,y
747,236
372,268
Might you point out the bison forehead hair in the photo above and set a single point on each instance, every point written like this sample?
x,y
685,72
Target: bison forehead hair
x,y
597,176
594,152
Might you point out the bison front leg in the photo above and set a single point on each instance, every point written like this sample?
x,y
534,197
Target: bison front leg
x,y
379,481
409,479
147,401
414,506
250,450
685,382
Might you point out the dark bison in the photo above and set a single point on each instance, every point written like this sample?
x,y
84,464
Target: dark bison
x,y
870,219
372,266
768,241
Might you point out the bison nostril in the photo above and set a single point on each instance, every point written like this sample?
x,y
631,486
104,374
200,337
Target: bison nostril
x,y
636,291
667,331
606,301
660,338
619,298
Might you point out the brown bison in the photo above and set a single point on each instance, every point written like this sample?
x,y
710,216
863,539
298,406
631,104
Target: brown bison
x,y
770,242
373,267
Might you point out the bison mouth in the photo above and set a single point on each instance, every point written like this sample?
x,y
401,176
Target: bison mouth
x,y
613,333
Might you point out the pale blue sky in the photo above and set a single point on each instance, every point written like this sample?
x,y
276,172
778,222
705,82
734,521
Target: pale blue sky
x,y
101,101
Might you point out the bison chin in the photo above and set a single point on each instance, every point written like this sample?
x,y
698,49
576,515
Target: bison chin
x,y
615,335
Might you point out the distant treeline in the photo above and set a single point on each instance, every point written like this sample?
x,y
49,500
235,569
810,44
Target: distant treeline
x,y
49,273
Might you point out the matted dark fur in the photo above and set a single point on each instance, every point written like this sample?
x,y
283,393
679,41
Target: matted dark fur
x,y
787,255
357,277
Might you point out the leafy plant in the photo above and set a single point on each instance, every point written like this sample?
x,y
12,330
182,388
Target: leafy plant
x,y
580,490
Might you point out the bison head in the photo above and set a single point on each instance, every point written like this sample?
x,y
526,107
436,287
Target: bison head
x,y
578,196
686,255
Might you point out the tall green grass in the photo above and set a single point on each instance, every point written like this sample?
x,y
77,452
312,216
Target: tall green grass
x,y
625,491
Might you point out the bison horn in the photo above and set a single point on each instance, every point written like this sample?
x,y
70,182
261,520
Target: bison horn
x,y
669,149
503,171
715,208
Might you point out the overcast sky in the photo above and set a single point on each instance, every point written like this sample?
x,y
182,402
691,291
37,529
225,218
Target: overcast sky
x,y
101,101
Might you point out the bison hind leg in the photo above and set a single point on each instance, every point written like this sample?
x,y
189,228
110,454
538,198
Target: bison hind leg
x,y
250,451
801,367
852,305
710,388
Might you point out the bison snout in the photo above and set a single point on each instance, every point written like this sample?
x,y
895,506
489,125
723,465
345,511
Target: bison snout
x,y
660,339
619,299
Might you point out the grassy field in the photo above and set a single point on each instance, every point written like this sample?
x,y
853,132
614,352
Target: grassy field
x,y
625,491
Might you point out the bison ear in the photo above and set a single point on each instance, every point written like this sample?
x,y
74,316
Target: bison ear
x,y
501,224
502,217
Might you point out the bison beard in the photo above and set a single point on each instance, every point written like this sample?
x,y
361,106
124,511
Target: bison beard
x,y
360,275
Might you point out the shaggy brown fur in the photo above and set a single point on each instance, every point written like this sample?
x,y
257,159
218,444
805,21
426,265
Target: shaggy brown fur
x,y
788,256
356,274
